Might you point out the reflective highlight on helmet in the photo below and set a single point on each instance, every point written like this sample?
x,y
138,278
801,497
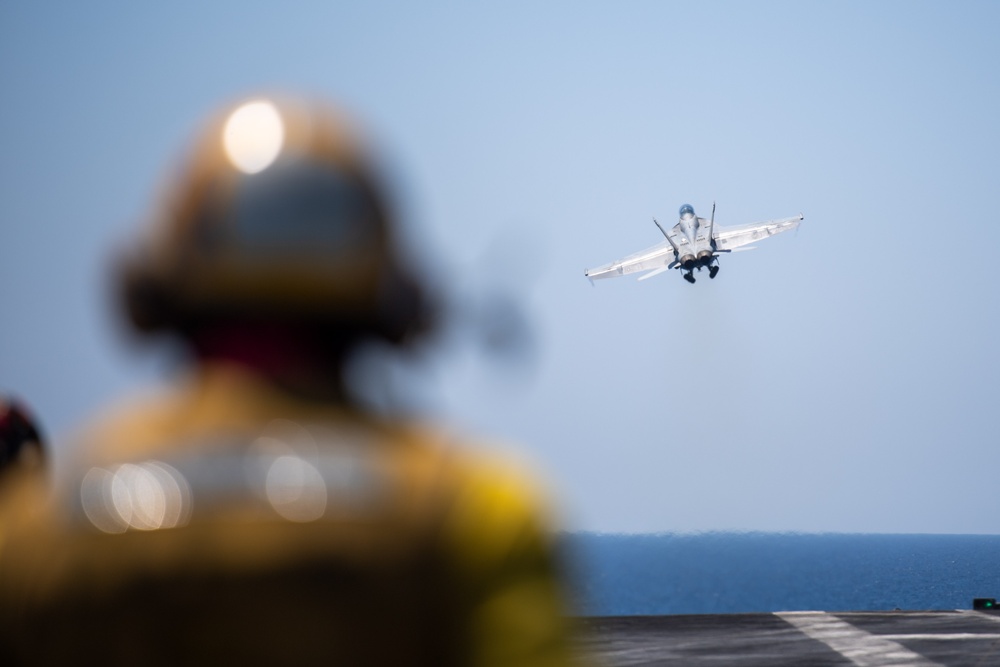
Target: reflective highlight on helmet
x,y
146,496
253,136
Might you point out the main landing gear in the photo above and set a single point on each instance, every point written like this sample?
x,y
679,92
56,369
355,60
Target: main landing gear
x,y
713,271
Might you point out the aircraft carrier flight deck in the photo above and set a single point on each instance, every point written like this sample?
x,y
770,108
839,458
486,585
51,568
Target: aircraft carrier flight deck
x,y
953,638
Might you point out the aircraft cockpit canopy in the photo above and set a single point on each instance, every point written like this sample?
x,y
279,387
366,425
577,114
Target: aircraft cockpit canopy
x,y
687,209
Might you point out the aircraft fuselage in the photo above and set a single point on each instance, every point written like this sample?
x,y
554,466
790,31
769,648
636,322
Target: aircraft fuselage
x,y
695,247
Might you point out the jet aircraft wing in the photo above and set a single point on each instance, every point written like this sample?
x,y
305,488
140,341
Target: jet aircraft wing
x,y
659,256
729,238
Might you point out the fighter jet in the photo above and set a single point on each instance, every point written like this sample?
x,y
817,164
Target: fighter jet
x,y
693,243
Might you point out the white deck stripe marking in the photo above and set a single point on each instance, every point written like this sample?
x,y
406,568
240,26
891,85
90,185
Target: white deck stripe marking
x,y
979,614
862,648
953,635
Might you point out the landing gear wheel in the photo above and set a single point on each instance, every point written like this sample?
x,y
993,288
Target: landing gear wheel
x,y
713,271
689,277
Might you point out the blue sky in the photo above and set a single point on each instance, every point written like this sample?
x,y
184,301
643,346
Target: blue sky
x,y
840,378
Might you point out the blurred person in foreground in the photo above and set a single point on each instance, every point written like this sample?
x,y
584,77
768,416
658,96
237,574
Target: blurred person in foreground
x,y
256,512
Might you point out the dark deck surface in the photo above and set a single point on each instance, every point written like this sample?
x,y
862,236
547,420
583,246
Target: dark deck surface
x,y
920,638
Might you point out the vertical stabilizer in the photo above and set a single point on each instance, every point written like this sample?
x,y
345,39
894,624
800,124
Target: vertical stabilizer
x,y
711,228
666,236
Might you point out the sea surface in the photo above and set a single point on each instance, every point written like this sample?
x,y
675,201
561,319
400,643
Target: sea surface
x,y
709,573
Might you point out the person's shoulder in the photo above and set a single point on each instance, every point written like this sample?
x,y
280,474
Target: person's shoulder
x,y
499,502
198,403
485,471
123,428
502,478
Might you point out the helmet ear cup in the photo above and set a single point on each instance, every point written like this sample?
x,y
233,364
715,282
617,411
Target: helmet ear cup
x,y
404,313
146,298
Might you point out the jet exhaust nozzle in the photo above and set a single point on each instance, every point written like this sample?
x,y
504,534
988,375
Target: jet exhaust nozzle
x,y
688,261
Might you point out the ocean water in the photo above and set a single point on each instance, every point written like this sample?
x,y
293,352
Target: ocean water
x,y
757,572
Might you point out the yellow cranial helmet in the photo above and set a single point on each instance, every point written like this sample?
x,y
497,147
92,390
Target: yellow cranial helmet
x,y
276,215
